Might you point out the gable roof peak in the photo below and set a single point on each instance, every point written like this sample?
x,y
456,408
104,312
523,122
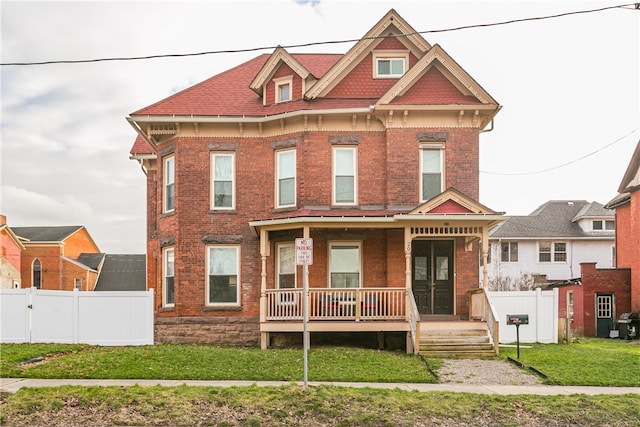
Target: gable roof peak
x,y
279,55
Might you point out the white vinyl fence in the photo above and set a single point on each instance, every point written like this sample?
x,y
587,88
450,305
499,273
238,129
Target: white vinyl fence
x,y
540,306
75,317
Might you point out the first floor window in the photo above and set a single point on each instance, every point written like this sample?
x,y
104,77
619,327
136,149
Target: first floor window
x,y
36,274
223,275
286,266
169,268
509,251
431,171
223,181
344,265
77,284
552,252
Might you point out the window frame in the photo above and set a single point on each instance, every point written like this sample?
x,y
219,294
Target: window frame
x,y
208,302
38,285
335,176
435,148
390,55
344,244
165,270
213,181
510,249
279,179
553,252
168,165
281,83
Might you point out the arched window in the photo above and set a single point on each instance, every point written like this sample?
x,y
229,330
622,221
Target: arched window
x,y
36,273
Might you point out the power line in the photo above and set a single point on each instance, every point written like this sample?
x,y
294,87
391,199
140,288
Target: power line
x,y
563,164
629,6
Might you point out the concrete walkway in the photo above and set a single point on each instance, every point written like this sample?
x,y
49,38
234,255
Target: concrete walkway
x,y
12,385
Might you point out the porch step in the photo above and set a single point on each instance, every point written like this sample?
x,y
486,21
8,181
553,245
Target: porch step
x,y
457,341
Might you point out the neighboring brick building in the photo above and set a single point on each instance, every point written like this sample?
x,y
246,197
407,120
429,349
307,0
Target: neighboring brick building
x,y
52,258
374,154
627,208
11,248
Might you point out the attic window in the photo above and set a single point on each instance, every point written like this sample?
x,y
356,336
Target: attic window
x,y
389,64
284,89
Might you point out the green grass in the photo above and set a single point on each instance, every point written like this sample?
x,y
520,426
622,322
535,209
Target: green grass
x,y
202,362
314,406
588,362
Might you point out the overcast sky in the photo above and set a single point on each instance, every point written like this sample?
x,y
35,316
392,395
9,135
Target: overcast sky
x,y
568,86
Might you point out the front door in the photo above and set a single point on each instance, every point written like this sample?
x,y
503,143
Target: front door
x,y
432,275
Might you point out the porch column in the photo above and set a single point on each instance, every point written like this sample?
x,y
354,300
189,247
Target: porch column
x,y
264,253
407,258
485,253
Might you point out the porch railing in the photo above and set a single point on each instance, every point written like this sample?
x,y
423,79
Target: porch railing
x,y
354,304
481,308
414,325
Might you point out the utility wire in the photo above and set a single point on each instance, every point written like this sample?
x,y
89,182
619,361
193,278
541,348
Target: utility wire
x,y
629,6
563,164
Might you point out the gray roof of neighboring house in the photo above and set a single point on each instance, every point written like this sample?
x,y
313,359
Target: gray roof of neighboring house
x,y
123,273
46,234
554,219
91,260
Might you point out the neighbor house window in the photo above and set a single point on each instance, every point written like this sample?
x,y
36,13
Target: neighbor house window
x,y
552,252
509,251
169,184
344,176
609,225
598,225
390,64
223,185
283,89
286,172
431,172
36,274
77,284
344,265
223,266
168,294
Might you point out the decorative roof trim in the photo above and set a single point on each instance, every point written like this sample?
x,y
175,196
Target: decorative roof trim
x,y
437,55
365,45
271,66
451,194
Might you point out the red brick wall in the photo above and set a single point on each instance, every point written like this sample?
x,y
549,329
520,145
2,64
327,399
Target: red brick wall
x,y
628,244
78,243
9,250
467,265
603,281
49,257
577,325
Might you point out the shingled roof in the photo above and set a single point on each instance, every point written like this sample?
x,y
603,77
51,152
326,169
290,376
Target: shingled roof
x,y
46,234
554,219
123,273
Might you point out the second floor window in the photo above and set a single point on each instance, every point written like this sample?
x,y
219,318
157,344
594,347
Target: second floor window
x,y
168,290
431,173
344,176
223,187
552,252
286,172
169,184
509,251
603,225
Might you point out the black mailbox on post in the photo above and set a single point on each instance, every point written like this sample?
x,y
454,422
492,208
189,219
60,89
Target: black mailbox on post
x,y
517,319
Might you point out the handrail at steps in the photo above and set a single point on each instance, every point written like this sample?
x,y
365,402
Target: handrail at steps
x,y
414,324
481,308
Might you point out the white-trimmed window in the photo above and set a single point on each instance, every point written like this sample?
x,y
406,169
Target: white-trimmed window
x,y
390,64
345,191
599,225
77,284
345,265
431,166
168,286
223,180
36,274
284,89
169,179
286,173
552,251
286,265
509,251
223,275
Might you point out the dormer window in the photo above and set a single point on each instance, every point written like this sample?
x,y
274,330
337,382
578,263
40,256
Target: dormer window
x,y
284,89
599,225
390,64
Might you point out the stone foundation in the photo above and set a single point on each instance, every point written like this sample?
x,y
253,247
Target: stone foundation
x,y
243,331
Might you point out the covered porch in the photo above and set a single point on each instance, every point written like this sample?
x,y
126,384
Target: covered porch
x,y
381,297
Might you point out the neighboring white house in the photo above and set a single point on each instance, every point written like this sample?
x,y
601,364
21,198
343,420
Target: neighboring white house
x,y
548,245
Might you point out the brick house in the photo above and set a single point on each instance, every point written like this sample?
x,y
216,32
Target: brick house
x,y
55,258
627,209
373,154
11,248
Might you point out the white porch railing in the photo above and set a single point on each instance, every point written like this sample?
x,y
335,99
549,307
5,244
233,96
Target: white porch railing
x,y
481,308
352,304
414,325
